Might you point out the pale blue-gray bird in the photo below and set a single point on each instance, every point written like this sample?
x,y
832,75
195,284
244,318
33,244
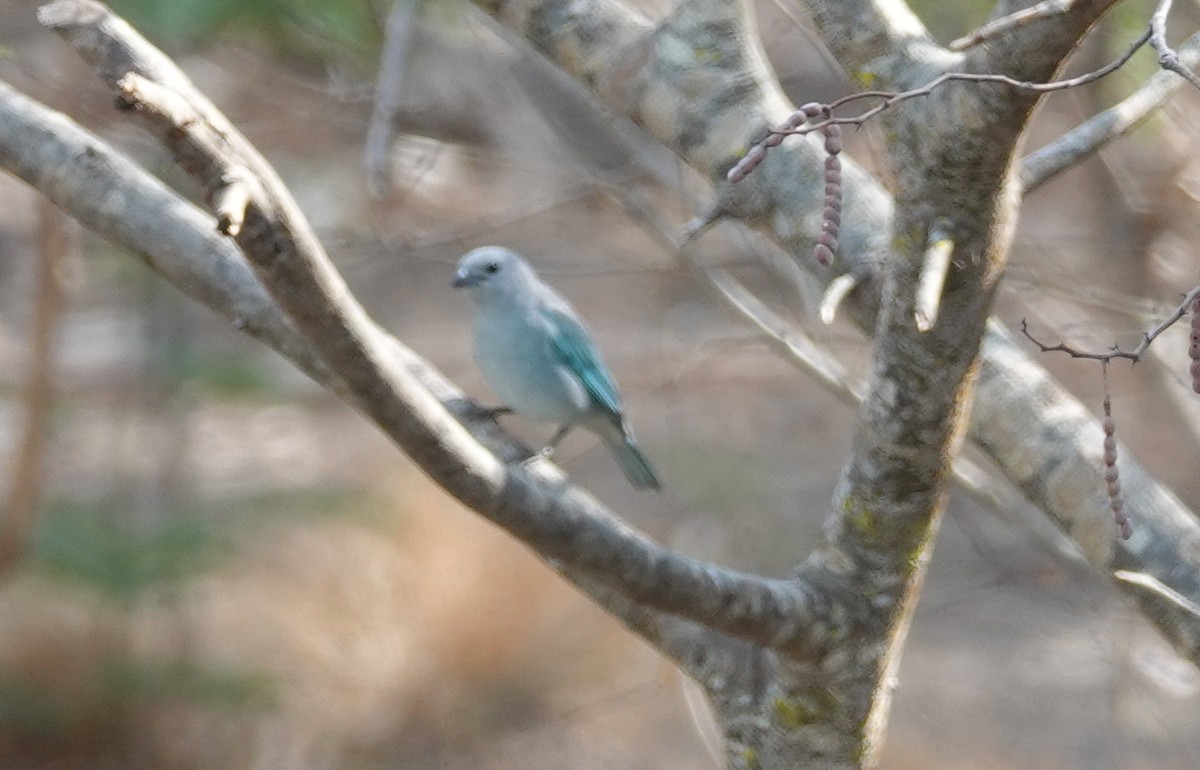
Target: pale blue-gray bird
x,y
536,354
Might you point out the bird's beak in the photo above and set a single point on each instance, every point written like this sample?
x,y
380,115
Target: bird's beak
x,y
463,280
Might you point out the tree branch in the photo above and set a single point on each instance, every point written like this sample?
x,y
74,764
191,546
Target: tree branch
x,y
799,122
1035,51
1168,59
1133,355
1050,446
999,26
389,383
1094,133
401,24
881,42
699,117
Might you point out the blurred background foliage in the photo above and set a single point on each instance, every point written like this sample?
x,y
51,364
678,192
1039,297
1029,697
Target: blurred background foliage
x,y
313,31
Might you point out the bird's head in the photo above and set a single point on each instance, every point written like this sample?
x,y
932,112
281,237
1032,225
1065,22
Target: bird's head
x,y
491,269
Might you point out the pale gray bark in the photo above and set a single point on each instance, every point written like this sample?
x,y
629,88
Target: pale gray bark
x,y
799,670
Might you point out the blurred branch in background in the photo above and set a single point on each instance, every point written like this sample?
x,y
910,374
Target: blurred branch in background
x,y
389,87
56,236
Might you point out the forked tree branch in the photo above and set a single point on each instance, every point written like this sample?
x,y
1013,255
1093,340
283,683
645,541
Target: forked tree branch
x,y
728,102
999,26
1093,134
78,171
1168,58
880,42
1134,354
389,383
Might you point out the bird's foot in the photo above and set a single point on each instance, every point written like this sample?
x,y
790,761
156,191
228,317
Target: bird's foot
x,y
492,412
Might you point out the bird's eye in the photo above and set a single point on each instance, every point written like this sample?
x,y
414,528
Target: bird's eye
x,y
491,267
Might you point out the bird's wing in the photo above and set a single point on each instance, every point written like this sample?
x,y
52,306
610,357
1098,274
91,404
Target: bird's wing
x,y
574,347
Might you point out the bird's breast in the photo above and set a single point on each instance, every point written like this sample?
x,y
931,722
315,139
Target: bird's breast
x,y
516,355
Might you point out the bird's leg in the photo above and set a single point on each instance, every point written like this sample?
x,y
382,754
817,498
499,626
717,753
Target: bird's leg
x,y
546,452
557,437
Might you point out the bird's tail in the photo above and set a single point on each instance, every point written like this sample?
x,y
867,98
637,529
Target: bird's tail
x,y
633,463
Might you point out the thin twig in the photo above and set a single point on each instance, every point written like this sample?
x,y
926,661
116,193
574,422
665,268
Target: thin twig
x,y
1134,355
1157,588
1168,59
562,523
1010,22
837,291
1039,167
819,117
892,98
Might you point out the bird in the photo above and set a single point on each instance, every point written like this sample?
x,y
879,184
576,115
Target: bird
x,y
539,358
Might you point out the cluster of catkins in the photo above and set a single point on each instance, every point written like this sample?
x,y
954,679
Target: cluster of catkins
x,y
1112,477
1194,349
831,216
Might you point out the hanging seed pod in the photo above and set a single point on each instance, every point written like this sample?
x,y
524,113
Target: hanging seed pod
x,y
1112,476
1194,349
831,215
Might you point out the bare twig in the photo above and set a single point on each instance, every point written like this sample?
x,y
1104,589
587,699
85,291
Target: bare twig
x,y
1039,167
1010,22
1168,59
562,523
837,291
890,99
808,119
1134,355
1155,587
